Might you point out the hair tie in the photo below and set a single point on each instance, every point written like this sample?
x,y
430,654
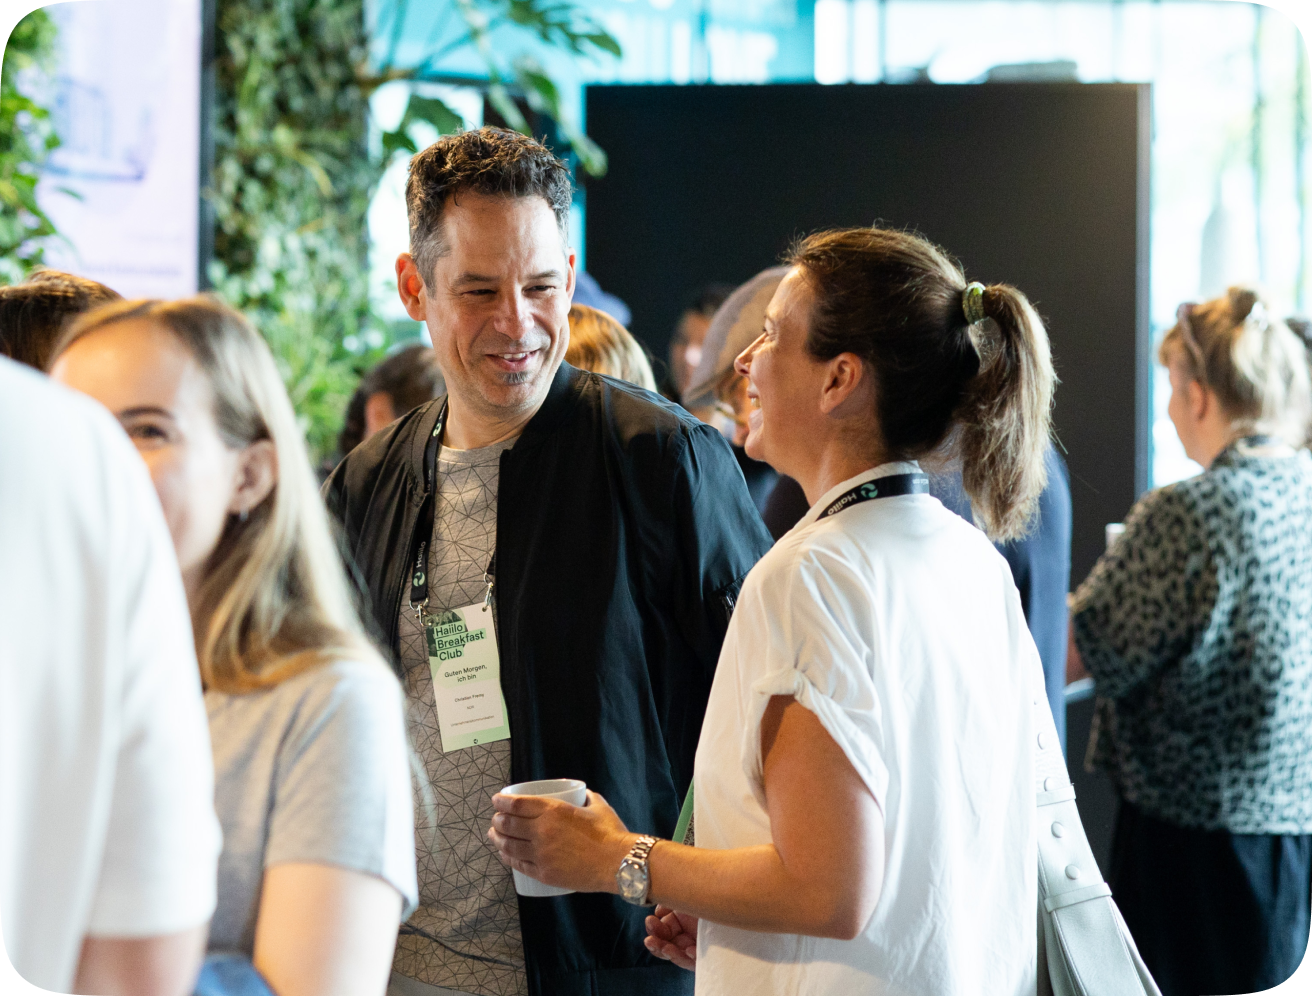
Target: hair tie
x,y
972,303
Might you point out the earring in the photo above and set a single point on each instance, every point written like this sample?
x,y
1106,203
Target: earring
x,y
241,516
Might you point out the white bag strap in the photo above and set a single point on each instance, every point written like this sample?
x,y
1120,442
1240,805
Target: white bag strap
x,y
1084,946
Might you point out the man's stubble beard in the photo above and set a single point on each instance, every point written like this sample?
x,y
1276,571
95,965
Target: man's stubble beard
x,y
504,408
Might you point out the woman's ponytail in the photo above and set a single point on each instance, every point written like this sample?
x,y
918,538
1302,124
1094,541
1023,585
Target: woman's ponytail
x,y
1004,419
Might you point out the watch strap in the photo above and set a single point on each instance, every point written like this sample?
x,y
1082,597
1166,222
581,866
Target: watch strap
x,y
638,855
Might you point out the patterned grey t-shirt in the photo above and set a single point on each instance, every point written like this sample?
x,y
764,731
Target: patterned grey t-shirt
x,y
466,933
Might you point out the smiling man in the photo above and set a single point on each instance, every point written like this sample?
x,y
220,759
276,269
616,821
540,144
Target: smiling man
x,y
552,557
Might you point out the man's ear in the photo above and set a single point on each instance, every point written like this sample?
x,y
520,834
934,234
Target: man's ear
x,y
845,377
257,473
410,286
572,276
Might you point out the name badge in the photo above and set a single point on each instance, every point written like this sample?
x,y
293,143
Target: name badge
x,y
466,668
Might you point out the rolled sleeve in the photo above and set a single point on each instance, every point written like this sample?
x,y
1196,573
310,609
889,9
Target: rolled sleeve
x,y
851,729
817,640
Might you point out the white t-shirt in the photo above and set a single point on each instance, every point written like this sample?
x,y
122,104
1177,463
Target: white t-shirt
x,y
107,822
897,623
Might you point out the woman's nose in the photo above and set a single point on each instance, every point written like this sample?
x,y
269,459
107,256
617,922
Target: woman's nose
x,y
742,364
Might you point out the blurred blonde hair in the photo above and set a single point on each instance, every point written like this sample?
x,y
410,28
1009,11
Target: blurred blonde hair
x,y
1252,360
599,343
274,601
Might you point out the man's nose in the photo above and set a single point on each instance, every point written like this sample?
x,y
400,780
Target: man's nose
x,y
513,318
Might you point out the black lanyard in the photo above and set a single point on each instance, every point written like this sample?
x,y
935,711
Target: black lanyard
x,y
424,526
880,487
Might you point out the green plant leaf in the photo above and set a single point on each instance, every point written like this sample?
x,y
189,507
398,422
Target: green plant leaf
x,y
27,137
436,113
506,107
398,141
591,155
607,42
541,92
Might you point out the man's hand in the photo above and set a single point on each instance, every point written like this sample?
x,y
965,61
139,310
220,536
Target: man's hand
x,y
673,936
572,847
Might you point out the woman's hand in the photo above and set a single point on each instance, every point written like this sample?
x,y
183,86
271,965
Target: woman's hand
x,y
571,847
673,936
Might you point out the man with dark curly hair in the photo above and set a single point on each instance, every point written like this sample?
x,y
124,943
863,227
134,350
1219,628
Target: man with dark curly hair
x,y
551,557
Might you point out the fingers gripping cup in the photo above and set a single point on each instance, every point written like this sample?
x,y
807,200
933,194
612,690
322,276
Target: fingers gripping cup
x,y
572,791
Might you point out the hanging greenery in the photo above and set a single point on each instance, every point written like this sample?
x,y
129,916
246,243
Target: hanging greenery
x,y
294,176
551,24
291,185
26,138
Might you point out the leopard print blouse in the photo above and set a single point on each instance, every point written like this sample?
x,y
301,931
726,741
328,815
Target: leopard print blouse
x,y
1197,628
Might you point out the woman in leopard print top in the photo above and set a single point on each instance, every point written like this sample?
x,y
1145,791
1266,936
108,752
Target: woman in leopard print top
x,y
1197,628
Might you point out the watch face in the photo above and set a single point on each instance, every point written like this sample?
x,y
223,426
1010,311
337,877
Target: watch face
x,y
632,879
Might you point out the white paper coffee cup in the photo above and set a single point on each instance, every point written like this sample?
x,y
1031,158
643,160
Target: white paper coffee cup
x,y
572,791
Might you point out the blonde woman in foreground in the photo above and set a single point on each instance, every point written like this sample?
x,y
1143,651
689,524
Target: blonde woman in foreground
x,y
864,802
311,772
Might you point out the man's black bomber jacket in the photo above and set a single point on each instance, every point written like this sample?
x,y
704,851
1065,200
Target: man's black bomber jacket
x,y
624,532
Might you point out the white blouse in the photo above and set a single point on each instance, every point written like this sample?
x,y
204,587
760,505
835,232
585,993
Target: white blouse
x,y
897,623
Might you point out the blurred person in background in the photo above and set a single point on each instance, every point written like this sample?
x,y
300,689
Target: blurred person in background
x,y
33,314
604,531
1196,626
312,777
717,394
108,841
398,384
690,333
588,292
599,343
864,803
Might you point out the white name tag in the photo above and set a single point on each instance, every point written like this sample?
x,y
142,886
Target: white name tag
x,y
466,668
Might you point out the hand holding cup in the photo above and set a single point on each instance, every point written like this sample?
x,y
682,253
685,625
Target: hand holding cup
x,y
549,840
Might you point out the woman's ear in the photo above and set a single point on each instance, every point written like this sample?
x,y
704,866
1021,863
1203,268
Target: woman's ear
x,y
1200,400
257,473
845,384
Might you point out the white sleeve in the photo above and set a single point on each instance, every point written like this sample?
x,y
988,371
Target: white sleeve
x,y
162,839
817,641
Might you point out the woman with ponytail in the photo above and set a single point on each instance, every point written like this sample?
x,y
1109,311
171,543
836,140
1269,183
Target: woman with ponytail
x,y
312,784
864,785
1197,628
